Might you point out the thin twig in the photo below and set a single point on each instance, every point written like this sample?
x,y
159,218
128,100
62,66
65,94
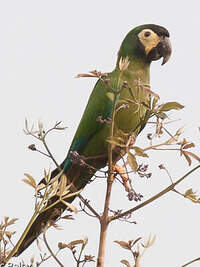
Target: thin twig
x,y
51,252
163,192
188,263
85,202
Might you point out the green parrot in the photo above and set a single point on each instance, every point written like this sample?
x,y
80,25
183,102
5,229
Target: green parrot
x,y
141,46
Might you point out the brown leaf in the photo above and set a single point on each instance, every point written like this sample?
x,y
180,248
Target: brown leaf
x,y
6,220
123,244
12,221
67,217
83,75
191,195
62,245
47,176
9,234
70,206
62,184
136,240
185,153
30,181
38,244
76,242
55,225
125,262
194,156
32,260
188,146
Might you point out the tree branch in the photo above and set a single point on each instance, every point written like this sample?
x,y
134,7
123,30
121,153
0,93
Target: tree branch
x,y
51,252
188,263
163,192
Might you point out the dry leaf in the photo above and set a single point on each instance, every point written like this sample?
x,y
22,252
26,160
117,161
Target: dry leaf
x,y
62,245
76,242
62,184
123,244
70,206
30,180
125,262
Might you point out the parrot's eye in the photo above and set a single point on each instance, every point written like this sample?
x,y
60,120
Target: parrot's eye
x,y
147,34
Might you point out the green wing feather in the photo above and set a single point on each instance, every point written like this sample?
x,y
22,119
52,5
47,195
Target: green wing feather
x,y
99,104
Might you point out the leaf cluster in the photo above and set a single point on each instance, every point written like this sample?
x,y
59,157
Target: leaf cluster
x,y
6,237
77,255
136,248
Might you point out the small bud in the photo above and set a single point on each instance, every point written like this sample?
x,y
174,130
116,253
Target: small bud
x,y
134,196
149,136
161,166
89,258
148,175
32,147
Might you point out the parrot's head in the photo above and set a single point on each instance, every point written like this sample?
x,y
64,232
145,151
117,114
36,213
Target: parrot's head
x,y
147,42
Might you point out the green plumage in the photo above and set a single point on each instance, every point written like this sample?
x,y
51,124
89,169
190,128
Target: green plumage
x,y
90,140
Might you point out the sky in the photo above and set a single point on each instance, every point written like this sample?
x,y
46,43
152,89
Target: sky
x,y
44,44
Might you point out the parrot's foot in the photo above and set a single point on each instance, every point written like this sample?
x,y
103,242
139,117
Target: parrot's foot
x,y
132,195
121,170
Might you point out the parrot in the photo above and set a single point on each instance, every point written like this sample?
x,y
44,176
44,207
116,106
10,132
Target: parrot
x,y
142,45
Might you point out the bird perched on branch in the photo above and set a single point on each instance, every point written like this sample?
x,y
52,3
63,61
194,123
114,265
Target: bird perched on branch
x,y
89,149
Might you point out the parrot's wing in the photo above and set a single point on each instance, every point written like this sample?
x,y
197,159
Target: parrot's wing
x,y
99,105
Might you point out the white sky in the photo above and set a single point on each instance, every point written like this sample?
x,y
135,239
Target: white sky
x,y
44,44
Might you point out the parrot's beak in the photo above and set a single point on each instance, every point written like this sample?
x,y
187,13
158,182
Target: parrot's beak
x,y
163,49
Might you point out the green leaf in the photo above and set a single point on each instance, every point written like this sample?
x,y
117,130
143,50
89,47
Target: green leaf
x,y
115,141
122,135
170,105
161,115
140,152
132,161
154,102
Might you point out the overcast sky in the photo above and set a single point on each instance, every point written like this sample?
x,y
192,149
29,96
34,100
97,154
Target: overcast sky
x,y
44,44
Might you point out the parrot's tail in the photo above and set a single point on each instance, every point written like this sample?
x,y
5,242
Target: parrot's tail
x,y
78,173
